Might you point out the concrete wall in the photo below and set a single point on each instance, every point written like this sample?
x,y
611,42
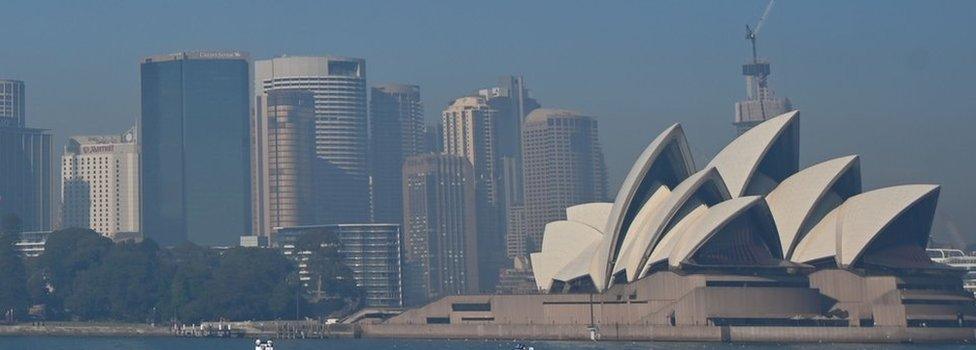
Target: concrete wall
x,y
680,333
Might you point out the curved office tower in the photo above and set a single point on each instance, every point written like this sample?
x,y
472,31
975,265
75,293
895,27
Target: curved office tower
x,y
339,87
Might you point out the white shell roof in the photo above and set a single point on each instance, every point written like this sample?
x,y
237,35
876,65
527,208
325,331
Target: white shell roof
x,y
625,196
579,265
738,161
820,242
639,224
633,257
562,241
666,246
850,228
583,245
793,201
710,223
591,214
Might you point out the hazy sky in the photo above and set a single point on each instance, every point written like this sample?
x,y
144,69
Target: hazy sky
x,y
893,81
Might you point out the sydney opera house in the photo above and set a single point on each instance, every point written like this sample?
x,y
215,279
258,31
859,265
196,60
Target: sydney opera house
x,y
747,247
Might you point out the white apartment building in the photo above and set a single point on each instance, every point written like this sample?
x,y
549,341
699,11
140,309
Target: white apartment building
x,y
100,183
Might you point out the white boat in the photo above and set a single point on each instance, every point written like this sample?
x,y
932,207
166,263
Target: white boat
x,y
266,345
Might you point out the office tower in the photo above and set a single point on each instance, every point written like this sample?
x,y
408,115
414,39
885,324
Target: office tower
x,y
440,234
284,193
339,84
195,135
12,103
100,183
372,251
469,132
515,243
26,177
396,132
563,166
760,103
512,103
433,138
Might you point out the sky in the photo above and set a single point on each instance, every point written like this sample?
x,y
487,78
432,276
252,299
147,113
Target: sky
x,y
891,81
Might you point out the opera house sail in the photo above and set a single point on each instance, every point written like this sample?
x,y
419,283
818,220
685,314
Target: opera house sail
x,y
748,240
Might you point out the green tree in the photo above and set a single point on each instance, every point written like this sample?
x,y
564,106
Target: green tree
x,y
332,283
13,278
67,253
190,268
251,284
125,285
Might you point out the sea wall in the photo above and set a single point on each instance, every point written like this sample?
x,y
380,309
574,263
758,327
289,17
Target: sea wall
x,y
679,333
85,329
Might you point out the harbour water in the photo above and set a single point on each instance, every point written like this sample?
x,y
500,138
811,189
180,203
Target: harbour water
x,y
167,343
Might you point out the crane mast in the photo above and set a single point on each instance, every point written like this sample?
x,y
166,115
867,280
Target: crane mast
x,y
759,103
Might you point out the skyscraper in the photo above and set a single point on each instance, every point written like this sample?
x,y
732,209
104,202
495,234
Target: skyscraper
x,y
339,86
285,194
512,103
440,234
433,138
12,103
396,132
26,160
26,177
100,183
563,166
469,132
195,135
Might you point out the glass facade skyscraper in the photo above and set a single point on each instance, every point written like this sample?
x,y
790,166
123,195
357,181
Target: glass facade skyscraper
x,y
26,179
396,132
195,172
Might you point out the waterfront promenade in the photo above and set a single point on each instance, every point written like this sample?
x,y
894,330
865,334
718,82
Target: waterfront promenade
x,y
317,330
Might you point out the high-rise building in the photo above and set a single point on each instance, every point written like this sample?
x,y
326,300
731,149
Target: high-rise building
x,y
26,161
469,132
339,86
100,183
396,132
433,138
285,195
12,103
440,234
563,166
760,103
512,103
372,251
195,136
26,176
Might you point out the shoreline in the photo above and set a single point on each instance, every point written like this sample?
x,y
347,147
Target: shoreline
x,y
710,334
85,329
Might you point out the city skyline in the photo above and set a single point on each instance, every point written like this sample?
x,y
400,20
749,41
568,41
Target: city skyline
x,y
908,80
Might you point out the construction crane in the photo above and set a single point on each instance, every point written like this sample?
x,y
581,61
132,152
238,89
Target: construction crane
x,y
752,33
757,71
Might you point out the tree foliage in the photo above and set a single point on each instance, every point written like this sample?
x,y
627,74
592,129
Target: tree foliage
x,y
13,279
325,264
84,276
